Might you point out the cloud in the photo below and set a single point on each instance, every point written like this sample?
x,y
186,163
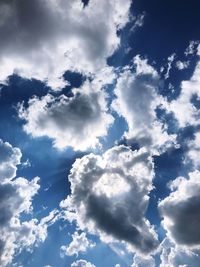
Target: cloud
x,y
76,122
174,256
136,101
183,107
139,261
107,188
82,263
193,154
42,40
181,65
181,211
79,243
16,196
192,48
169,65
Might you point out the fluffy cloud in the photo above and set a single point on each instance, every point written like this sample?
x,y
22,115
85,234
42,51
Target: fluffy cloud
x,y
76,121
183,107
16,198
107,188
181,65
193,153
43,39
139,261
181,211
79,243
174,256
82,263
136,100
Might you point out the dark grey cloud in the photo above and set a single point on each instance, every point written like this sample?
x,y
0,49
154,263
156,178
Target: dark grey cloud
x,y
181,211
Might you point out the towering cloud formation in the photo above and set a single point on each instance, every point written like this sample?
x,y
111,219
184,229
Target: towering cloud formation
x,y
42,39
109,197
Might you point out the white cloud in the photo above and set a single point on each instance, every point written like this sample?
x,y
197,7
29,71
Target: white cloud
x,y
95,182
181,65
16,196
193,153
181,211
184,110
139,261
79,243
192,48
169,65
138,22
82,263
76,122
43,39
174,256
136,100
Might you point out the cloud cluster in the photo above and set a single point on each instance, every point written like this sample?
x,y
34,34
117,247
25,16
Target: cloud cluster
x,y
107,188
193,153
181,211
82,263
139,261
78,121
79,243
16,196
42,40
136,100
175,256
184,108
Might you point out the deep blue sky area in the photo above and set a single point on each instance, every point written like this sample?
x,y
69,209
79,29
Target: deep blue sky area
x,y
82,97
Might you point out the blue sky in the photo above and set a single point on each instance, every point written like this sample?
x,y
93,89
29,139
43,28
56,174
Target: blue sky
x,y
99,133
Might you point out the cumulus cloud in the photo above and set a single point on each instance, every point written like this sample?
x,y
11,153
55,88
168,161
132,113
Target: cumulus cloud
x,y
82,263
137,100
77,121
183,107
193,154
107,188
16,196
79,243
139,261
174,256
181,211
181,65
42,40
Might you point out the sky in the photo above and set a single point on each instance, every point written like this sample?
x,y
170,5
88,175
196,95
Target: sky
x,y
99,133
